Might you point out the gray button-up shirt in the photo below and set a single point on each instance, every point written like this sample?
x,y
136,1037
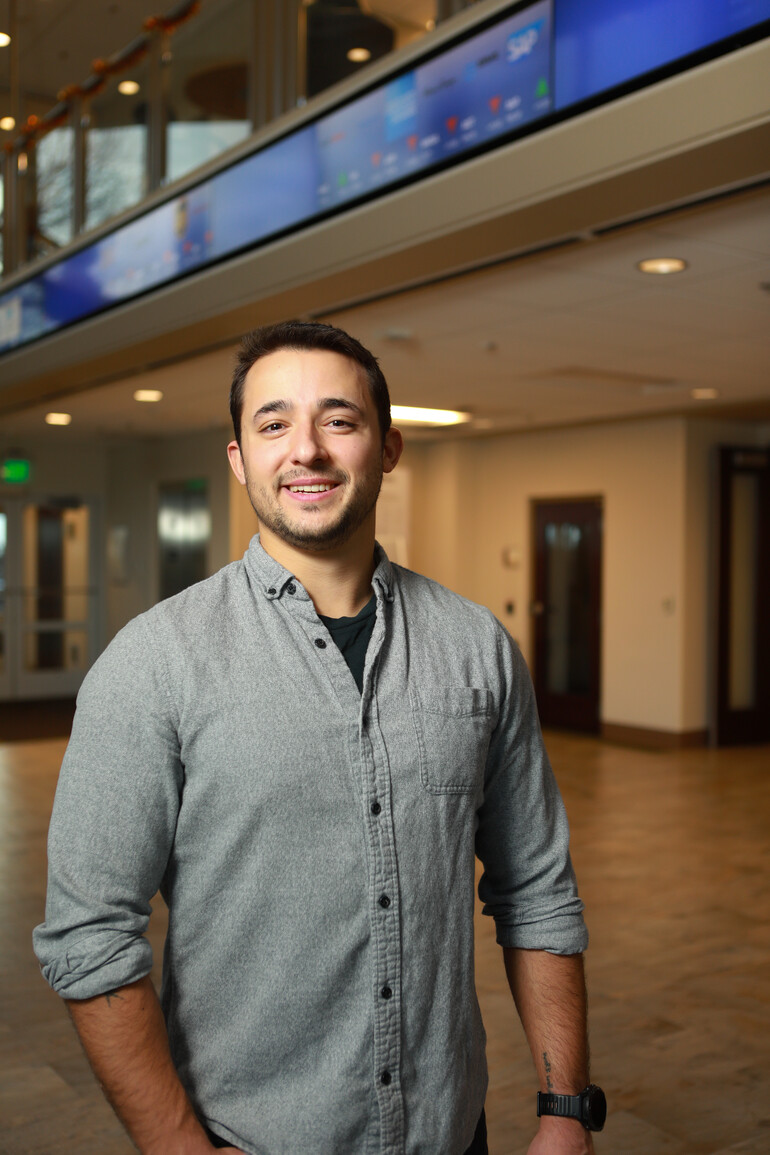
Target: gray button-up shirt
x,y
316,849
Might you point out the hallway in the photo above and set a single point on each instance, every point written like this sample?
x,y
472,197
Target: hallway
x,y
671,851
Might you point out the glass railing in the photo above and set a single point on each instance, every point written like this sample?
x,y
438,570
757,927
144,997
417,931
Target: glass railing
x,y
193,84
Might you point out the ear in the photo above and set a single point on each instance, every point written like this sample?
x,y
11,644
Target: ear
x,y
392,450
235,458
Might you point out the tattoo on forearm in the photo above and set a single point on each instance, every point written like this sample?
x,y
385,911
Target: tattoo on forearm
x,y
110,995
547,1065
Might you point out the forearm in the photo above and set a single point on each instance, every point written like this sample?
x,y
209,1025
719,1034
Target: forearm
x,y
550,996
124,1036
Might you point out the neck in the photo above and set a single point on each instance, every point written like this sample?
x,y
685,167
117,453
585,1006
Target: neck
x,y
339,580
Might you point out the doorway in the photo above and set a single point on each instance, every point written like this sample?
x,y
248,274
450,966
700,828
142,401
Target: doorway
x,y
49,596
566,612
743,615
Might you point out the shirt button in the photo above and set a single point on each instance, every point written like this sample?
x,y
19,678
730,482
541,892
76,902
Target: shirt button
x,y
384,901
320,643
271,590
291,588
376,808
386,992
386,1078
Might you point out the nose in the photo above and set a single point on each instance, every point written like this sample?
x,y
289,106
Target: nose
x,y
307,444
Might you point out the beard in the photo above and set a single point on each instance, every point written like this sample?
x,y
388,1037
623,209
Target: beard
x,y
310,528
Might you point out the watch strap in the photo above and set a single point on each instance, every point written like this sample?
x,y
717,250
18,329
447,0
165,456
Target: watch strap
x,y
567,1106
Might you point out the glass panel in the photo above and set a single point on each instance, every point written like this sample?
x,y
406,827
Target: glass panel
x,y
568,599
55,189
55,650
116,148
743,592
184,530
209,86
55,571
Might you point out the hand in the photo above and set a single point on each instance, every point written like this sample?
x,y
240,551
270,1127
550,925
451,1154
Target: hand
x,y
557,1136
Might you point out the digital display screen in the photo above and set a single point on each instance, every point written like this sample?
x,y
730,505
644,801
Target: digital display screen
x,y
546,56
601,44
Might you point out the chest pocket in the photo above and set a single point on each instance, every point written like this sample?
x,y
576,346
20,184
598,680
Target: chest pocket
x,y
453,727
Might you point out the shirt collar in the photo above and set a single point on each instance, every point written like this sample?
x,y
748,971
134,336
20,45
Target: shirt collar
x,y
271,577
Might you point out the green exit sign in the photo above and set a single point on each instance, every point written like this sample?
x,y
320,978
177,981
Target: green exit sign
x,y
15,470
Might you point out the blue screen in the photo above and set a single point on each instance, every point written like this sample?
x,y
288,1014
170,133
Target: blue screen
x,y
603,43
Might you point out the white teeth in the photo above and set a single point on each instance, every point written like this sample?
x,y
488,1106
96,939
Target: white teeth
x,y
310,488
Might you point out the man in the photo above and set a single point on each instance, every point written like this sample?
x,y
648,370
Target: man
x,y
303,753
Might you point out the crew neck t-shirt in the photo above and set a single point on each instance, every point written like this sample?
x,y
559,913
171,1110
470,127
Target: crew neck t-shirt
x,y
351,636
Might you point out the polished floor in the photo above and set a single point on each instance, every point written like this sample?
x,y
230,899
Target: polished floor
x,y
672,856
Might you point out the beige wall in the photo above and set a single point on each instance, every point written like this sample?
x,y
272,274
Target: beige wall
x,y
472,500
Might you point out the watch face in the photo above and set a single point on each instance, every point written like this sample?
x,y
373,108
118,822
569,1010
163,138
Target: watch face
x,y
595,1108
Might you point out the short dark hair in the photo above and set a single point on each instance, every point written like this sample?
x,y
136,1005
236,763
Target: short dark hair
x,y
310,335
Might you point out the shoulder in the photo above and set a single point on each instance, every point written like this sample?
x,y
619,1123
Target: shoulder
x,y
194,617
430,605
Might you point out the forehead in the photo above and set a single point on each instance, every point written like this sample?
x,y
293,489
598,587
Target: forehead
x,y
303,376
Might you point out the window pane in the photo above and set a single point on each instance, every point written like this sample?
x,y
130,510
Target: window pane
x,y
209,86
116,148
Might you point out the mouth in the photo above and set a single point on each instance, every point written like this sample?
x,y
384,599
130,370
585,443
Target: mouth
x,y
310,489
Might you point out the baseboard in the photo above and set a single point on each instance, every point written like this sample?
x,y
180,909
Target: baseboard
x,y
646,739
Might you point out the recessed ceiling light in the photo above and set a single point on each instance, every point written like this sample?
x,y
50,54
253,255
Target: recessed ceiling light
x,y
662,265
412,415
704,393
7,123
5,40
58,418
148,395
359,55
128,87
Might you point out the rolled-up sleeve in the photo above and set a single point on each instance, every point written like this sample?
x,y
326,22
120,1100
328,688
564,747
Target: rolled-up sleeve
x,y
113,823
522,839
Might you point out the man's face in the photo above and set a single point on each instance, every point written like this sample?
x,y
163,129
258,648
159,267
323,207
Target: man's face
x,y
311,453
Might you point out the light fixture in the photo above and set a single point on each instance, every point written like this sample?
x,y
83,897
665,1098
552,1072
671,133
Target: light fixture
x,y
148,395
128,87
704,393
58,418
22,162
7,123
359,55
662,265
5,40
411,415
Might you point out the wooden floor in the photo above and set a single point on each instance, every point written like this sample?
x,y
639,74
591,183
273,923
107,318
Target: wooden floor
x,y
672,857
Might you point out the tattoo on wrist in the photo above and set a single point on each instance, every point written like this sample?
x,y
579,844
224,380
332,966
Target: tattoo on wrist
x,y
547,1065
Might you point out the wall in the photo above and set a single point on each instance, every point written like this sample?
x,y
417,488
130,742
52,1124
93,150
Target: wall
x,y
472,499
638,471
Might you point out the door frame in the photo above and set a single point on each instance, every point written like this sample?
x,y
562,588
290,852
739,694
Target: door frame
x,y
16,683
733,726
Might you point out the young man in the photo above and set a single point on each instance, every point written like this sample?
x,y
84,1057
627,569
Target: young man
x,y
304,753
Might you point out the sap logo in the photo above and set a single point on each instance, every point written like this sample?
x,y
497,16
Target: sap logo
x,y
522,43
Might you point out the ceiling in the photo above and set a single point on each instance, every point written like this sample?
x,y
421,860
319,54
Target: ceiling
x,y
573,335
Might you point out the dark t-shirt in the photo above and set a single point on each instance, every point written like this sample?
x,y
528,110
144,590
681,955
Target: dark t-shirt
x,y
351,636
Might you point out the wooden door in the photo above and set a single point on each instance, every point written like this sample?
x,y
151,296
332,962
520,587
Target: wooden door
x,y
566,611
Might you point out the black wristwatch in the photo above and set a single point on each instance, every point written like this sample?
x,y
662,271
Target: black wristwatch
x,y
590,1106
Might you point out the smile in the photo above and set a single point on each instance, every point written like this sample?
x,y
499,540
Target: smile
x,y
320,488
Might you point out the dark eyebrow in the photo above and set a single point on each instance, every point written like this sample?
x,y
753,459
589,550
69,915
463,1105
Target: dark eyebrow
x,y
281,406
